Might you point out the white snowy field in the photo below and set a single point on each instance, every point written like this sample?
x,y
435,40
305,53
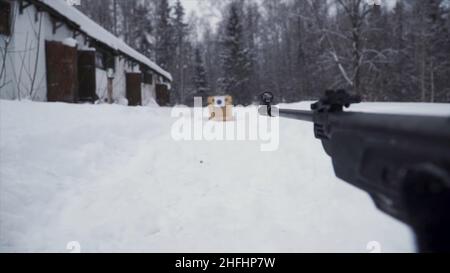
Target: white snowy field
x,y
113,179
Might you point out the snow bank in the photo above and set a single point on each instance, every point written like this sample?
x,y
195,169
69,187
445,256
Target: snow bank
x,y
112,178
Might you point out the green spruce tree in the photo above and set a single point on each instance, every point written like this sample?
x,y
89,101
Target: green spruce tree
x,y
235,60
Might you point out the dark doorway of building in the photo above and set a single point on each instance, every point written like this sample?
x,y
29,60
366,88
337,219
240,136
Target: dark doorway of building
x,y
86,76
162,95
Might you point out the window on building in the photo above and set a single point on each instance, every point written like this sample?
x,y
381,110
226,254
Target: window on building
x,y
148,78
100,60
104,60
5,20
110,61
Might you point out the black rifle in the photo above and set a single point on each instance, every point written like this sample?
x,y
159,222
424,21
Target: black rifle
x,y
402,161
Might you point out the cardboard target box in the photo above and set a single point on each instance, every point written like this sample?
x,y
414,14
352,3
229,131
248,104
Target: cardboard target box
x,y
220,108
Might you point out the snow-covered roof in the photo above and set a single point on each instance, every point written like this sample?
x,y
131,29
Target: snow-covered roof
x,y
95,31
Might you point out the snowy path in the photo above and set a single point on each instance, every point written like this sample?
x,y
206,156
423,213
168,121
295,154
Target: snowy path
x,y
112,178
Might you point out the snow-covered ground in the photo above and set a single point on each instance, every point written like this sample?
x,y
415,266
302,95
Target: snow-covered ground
x,y
113,179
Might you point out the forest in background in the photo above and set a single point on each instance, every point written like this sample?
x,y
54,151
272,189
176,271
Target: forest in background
x,y
293,48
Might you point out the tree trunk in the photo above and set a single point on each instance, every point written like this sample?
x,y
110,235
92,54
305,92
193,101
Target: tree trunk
x,y
422,79
432,83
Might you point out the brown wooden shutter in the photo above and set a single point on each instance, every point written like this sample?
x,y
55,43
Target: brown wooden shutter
x,y
5,18
62,72
133,82
162,95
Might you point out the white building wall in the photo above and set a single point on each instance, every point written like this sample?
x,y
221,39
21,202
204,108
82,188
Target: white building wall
x,y
119,86
148,94
101,79
25,72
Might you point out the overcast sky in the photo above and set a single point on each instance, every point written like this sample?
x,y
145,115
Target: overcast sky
x,y
190,5
211,13
199,7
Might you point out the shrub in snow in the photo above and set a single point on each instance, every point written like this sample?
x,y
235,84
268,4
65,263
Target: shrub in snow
x,y
152,103
121,101
99,101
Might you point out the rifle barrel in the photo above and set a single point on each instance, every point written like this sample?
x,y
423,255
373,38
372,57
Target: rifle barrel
x,y
297,114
